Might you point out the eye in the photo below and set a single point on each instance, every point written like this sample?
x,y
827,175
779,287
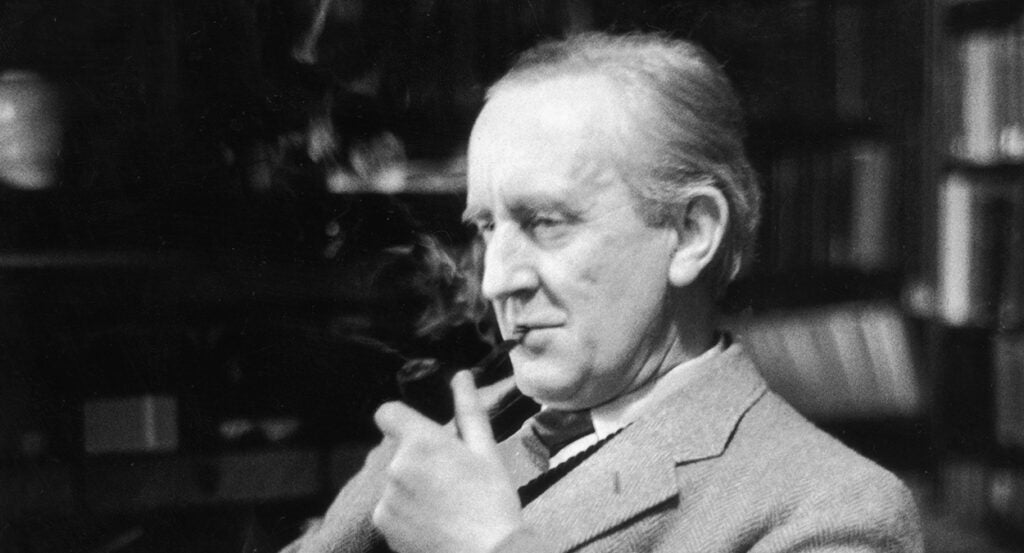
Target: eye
x,y
543,221
546,227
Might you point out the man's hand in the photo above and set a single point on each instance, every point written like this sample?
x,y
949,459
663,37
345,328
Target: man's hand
x,y
445,492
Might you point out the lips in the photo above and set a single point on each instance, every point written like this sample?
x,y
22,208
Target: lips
x,y
522,327
527,334
520,323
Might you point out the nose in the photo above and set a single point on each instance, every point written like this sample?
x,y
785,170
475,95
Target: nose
x,y
508,266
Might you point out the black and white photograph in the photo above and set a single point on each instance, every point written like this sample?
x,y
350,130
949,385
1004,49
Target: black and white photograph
x,y
511,276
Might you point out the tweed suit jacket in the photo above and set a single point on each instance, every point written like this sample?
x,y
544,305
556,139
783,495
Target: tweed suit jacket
x,y
724,465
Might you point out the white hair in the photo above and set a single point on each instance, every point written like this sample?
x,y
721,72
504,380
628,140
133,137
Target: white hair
x,y
687,128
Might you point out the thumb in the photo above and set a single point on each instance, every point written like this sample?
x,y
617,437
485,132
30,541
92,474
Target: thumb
x,y
470,416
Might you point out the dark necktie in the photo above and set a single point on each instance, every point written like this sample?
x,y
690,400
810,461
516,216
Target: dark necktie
x,y
557,429
534,488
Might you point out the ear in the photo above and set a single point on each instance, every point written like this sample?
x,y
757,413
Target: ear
x,y
700,234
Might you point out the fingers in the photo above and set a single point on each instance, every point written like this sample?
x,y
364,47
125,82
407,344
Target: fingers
x,y
402,423
399,421
495,396
470,416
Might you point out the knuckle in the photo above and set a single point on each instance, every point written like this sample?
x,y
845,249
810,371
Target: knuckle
x,y
384,512
393,472
384,412
379,516
418,447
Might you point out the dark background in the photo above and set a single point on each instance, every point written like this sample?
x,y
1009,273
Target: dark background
x,y
191,246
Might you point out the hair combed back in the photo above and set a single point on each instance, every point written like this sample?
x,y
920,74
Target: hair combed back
x,y
687,127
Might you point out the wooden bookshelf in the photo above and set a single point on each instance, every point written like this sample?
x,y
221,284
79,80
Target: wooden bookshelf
x,y
972,282
110,485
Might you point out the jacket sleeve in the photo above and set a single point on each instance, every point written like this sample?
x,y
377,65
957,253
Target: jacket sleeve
x,y
347,527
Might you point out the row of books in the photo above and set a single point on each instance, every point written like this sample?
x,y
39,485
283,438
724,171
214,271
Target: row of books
x,y
831,206
981,249
836,362
987,104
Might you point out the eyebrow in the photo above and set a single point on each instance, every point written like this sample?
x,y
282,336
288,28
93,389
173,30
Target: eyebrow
x,y
529,206
523,208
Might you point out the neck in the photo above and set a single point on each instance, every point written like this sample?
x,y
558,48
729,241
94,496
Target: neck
x,y
694,320
691,332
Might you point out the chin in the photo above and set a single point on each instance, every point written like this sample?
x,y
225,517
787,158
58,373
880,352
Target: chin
x,y
543,383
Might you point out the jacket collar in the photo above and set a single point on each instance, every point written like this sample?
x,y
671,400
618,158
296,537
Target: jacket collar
x,y
616,483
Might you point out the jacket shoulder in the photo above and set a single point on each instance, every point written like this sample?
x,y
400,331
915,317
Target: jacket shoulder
x,y
802,487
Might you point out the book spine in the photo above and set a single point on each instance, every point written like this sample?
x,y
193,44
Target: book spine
x,y
1008,361
871,248
955,250
844,361
979,61
976,220
848,24
990,67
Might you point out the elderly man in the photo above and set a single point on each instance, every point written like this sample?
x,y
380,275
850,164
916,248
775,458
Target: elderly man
x,y
609,184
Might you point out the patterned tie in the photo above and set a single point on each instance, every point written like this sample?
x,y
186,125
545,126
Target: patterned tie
x,y
557,429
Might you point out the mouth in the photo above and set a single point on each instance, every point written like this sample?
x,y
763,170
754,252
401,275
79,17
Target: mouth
x,y
520,331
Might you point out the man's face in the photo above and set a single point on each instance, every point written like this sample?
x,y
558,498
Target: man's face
x,y
568,259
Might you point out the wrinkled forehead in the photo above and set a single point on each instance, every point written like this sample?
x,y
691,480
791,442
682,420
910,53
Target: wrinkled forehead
x,y
565,130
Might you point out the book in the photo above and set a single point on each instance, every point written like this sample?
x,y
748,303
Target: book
x,y
1008,364
831,205
872,185
980,220
843,361
979,59
990,76
848,39
887,339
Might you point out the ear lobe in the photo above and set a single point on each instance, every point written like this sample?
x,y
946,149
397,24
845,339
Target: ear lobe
x,y
700,235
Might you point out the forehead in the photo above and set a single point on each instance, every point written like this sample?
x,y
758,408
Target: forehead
x,y
552,138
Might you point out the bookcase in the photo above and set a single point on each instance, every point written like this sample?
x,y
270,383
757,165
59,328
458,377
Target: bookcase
x,y
835,101
972,276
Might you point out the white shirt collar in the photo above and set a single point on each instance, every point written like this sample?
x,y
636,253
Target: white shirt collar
x,y
620,412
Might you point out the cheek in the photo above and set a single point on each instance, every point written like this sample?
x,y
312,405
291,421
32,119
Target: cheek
x,y
627,294
622,275
604,265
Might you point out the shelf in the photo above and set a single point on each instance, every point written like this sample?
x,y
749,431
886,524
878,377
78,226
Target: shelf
x,y
763,292
964,15
87,260
1005,170
134,484
824,134
85,277
898,443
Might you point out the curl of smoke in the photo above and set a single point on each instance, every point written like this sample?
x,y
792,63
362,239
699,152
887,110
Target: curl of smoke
x,y
451,281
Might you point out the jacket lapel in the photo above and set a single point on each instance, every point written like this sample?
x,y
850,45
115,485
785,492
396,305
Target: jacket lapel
x,y
523,455
636,470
